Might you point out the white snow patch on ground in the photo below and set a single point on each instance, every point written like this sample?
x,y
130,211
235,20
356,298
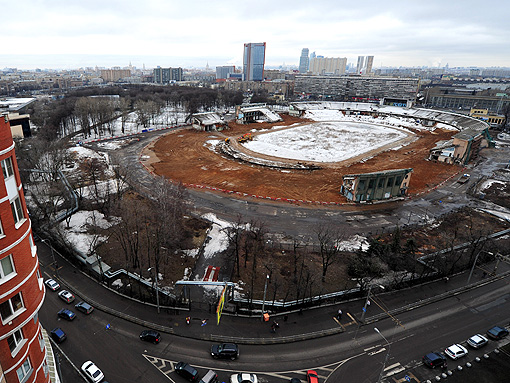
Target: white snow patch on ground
x,y
330,141
500,214
218,240
78,231
353,243
487,184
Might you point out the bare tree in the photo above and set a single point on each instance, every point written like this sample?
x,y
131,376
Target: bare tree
x,y
328,247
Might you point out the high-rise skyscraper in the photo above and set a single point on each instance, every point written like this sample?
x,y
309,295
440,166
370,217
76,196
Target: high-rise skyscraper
x,y
22,349
328,65
369,64
304,61
359,67
253,61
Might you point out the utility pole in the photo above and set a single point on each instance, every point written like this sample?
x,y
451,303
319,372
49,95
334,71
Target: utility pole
x,y
264,300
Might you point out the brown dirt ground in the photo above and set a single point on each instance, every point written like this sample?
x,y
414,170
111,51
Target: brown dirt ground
x,y
183,157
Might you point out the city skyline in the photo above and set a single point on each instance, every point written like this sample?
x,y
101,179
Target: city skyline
x,y
65,35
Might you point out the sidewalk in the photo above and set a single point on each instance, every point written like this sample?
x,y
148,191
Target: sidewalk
x,y
310,323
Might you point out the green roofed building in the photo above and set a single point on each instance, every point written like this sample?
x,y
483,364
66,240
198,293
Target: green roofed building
x,y
376,186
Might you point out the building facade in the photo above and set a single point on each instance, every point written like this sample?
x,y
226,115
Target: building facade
x,y
359,65
356,88
368,65
376,186
167,75
22,346
113,75
223,72
253,61
304,61
328,65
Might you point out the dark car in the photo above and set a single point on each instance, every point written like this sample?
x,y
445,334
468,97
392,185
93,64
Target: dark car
x,y
225,351
295,380
434,359
58,335
150,336
186,371
84,307
497,333
66,314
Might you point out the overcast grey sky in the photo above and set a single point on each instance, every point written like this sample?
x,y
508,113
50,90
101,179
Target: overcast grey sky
x,y
192,33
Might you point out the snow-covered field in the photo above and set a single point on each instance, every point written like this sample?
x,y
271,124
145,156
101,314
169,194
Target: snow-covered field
x,y
325,141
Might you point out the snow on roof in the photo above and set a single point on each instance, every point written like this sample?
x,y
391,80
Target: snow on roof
x,y
209,118
15,103
269,114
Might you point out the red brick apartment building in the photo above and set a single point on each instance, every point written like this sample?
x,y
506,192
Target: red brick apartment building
x,y
22,346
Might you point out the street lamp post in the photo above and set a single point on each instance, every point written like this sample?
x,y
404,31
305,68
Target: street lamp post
x,y
156,282
387,354
52,255
368,300
264,300
473,267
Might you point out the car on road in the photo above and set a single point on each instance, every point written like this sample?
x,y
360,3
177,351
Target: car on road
x,y
150,336
497,332
84,307
209,377
58,335
52,284
477,341
66,314
186,371
312,377
66,296
456,351
434,359
243,378
92,372
225,351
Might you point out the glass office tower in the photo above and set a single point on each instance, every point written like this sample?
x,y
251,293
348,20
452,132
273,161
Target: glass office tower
x,y
253,61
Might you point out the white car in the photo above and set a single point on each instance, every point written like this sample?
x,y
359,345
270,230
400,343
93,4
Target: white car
x,y
477,341
66,296
52,284
93,373
456,351
243,378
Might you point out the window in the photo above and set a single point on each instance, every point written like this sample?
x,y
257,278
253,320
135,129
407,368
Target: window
x,y
41,340
17,210
10,307
24,371
14,340
7,168
6,267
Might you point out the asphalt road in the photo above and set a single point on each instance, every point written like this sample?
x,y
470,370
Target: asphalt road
x,y
356,355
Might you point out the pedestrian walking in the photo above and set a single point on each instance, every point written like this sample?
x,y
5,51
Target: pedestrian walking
x,y
339,315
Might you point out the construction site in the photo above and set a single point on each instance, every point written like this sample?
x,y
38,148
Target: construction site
x,y
195,159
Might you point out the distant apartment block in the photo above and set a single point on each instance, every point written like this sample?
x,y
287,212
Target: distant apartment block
x,y
359,66
167,75
113,75
253,61
223,72
368,65
356,88
364,65
304,61
328,65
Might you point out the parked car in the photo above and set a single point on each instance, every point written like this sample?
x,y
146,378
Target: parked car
x,y
497,333
186,371
66,296
456,351
477,341
243,378
434,359
92,372
225,351
66,314
209,377
52,284
150,336
58,335
312,377
84,307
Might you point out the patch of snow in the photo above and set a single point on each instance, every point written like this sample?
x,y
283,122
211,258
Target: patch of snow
x,y
353,243
191,252
217,238
487,184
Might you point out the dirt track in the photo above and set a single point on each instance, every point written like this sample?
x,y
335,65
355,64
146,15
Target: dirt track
x,y
182,156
